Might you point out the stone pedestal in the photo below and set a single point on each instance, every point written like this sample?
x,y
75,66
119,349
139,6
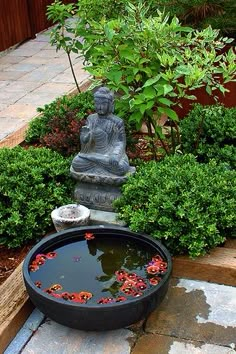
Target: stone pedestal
x,y
98,191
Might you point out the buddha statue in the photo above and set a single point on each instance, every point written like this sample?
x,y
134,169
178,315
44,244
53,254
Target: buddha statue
x,y
103,140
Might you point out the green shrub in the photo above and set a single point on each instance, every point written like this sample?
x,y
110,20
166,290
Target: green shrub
x,y
79,106
189,206
210,132
32,183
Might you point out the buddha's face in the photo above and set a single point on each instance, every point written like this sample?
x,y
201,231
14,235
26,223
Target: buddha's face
x,y
102,106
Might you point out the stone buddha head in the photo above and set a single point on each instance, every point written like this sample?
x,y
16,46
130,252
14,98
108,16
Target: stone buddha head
x,y
104,101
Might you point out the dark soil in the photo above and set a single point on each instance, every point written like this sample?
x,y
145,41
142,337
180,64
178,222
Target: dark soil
x,y
10,259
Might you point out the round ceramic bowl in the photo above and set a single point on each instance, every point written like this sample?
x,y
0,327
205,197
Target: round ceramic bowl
x,y
76,304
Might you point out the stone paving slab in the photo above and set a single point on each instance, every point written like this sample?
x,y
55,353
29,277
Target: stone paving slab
x,y
32,75
198,311
52,337
159,344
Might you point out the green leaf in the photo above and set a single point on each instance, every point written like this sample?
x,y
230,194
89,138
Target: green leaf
x,y
149,92
165,101
151,81
167,88
114,76
169,112
136,117
183,70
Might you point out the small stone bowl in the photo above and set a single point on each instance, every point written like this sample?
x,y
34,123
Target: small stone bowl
x,y
71,215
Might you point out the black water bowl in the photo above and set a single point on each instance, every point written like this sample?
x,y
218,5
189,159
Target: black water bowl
x,y
97,277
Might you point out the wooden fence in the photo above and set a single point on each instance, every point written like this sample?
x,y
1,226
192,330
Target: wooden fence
x,y
22,19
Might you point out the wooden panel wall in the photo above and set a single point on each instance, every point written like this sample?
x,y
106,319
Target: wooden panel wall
x,y
14,22
23,19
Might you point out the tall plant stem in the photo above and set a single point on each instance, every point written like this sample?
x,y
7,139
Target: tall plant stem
x,y
159,136
151,135
73,73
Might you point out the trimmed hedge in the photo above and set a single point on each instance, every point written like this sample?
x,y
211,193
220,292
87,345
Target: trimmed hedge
x,y
210,132
189,206
32,183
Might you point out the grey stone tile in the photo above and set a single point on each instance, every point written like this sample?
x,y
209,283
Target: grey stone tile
x,y
11,75
7,59
22,67
52,337
20,111
195,310
159,344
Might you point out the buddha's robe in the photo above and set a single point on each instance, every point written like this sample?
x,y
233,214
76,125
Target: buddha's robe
x,y
103,146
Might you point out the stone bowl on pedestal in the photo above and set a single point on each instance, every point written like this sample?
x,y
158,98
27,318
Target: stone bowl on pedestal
x,y
97,277
70,215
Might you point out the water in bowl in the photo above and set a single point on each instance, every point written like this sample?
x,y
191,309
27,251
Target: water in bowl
x,y
98,270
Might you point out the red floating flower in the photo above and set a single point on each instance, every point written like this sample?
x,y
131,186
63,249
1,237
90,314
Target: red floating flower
x,y
65,296
89,236
51,255
129,284
139,280
48,291
121,277
121,272
141,286
137,293
41,256
157,258
40,261
38,284
105,300
33,267
127,290
154,280
153,269
131,276
120,299
58,296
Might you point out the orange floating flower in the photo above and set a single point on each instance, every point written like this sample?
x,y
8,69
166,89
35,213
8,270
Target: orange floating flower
x,y
154,280
56,287
89,236
153,269
84,295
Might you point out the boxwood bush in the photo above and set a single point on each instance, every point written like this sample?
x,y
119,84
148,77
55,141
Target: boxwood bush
x,y
210,132
189,206
32,183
